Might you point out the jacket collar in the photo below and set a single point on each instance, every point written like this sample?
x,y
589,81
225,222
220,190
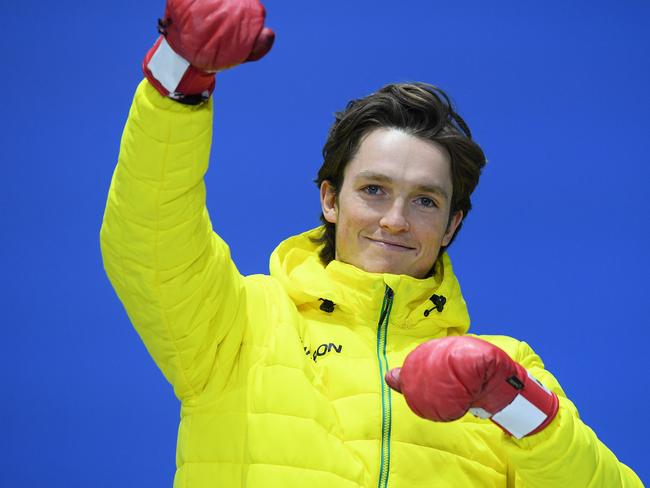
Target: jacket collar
x,y
295,263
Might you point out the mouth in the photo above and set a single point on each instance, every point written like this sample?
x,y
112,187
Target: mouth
x,y
391,245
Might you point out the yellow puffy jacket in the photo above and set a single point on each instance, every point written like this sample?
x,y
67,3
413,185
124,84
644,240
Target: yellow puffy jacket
x,y
281,376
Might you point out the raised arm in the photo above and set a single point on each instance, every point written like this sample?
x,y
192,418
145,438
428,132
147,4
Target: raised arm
x,y
172,273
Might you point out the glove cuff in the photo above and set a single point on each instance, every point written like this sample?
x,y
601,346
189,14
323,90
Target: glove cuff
x,y
174,77
532,409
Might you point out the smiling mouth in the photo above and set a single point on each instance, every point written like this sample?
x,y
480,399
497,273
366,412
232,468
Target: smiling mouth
x,y
392,246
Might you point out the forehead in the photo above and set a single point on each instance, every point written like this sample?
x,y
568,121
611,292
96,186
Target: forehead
x,y
401,158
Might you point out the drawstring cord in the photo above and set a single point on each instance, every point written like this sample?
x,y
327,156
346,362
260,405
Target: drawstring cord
x,y
327,305
438,304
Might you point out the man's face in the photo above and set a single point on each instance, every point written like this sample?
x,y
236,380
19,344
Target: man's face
x,y
392,211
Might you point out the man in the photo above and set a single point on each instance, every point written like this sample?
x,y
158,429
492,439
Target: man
x,y
313,376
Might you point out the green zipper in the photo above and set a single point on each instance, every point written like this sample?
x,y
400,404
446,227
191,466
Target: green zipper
x,y
386,408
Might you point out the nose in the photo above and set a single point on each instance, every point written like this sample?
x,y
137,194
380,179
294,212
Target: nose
x,y
394,220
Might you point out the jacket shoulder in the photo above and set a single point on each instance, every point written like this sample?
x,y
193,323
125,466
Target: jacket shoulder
x,y
267,300
516,349
521,352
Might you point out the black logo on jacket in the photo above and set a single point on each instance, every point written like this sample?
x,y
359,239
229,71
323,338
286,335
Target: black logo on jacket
x,y
322,350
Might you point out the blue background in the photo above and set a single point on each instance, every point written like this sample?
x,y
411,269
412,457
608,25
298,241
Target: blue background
x,y
554,252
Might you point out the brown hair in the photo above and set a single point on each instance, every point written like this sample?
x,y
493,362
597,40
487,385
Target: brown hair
x,y
419,109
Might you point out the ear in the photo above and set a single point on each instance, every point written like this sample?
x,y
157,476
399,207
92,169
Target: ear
x,y
454,222
328,201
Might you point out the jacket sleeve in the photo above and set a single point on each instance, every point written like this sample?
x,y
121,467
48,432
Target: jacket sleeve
x,y
567,452
173,274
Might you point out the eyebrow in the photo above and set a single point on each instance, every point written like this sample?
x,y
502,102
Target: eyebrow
x,y
426,188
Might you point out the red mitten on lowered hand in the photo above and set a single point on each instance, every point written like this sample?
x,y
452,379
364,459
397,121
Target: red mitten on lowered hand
x,y
201,37
443,379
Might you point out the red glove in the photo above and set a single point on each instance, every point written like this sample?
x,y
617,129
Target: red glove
x,y
443,379
201,37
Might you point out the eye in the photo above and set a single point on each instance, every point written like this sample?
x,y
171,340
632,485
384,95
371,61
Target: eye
x,y
372,189
426,202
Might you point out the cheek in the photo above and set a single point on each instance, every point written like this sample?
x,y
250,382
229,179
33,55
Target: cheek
x,y
358,215
350,227
430,232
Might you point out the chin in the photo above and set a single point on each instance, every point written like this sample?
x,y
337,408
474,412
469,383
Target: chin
x,y
390,268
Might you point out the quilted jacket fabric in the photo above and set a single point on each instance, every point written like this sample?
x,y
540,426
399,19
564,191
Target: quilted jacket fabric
x,y
280,377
